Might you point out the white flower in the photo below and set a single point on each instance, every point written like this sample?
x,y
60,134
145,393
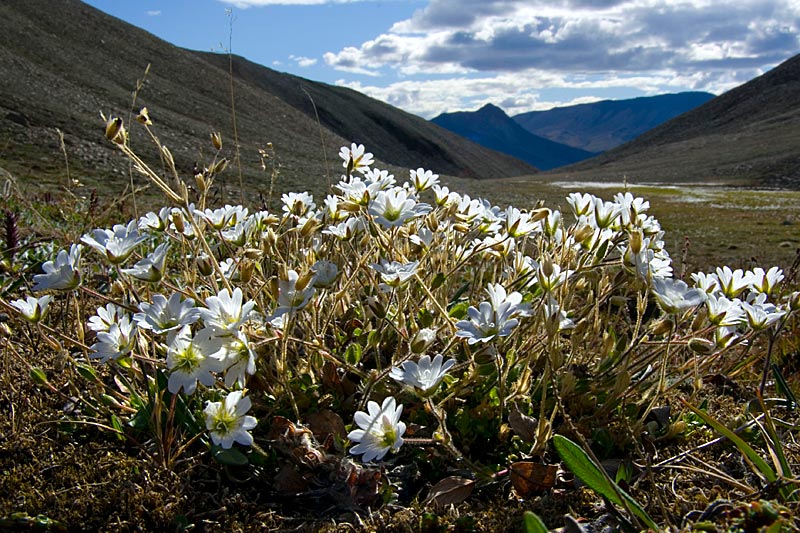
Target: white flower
x,y
629,207
227,422
394,273
764,282
552,311
760,314
395,207
62,274
582,204
380,430
225,312
297,204
423,179
155,222
105,317
32,308
723,311
605,213
236,354
378,180
347,229
424,375
674,296
550,276
494,318
423,238
150,268
731,282
223,216
519,223
290,297
238,234
115,343
163,316
707,282
115,244
443,197
325,273
192,359
356,157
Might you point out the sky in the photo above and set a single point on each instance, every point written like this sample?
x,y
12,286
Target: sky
x,y
433,56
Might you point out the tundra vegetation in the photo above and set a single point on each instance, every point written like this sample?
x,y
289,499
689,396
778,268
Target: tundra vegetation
x,y
394,355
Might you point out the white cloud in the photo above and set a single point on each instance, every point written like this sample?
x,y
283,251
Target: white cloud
x,y
153,13
303,61
513,51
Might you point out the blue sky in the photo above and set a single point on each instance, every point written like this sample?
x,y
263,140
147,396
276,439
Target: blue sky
x,y
432,56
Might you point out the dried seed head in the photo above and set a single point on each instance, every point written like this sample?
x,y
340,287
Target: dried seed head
x,y
220,166
144,117
113,128
216,140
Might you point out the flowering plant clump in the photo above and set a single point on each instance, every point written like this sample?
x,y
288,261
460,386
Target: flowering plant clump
x,y
390,310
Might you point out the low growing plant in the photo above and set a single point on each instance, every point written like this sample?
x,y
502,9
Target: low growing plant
x,y
399,324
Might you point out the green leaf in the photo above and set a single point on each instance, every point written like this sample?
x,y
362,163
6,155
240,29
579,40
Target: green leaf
x,y
87,372
532,523
459,310
438,280
587,471
229,457
783,388
744,448
38,376
116,424
353,354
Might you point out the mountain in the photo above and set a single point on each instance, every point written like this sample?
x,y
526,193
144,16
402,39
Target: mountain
x,y
58,77
748,135
491,127
600,126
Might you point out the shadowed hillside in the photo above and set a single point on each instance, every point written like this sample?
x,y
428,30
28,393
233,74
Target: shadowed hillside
x,y
491,127
600,126
747,136
57,75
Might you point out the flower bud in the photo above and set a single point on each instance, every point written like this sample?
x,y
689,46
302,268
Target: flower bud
x,y
636,241
540,214
547,267
245,270
584,233
204,265
177,221
422,340
662,327
702,346
794,301
253,253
